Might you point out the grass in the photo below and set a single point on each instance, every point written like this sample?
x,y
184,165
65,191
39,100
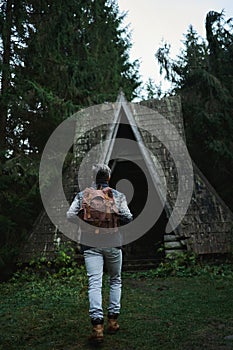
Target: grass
x,y
192,313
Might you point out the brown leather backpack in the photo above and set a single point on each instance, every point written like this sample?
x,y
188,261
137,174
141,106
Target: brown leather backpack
x,y
99,208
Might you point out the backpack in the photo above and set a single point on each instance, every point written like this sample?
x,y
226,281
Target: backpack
x,y
99,208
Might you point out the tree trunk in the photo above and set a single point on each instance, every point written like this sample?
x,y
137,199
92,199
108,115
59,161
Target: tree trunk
x,y
6,75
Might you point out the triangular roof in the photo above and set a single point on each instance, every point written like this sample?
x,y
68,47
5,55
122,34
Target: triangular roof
x,y
124,115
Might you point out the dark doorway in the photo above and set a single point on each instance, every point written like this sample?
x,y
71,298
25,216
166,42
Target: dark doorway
x,y
147,246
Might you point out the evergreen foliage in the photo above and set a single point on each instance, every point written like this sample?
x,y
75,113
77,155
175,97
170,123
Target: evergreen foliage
x,y
56,57
202,75
67,55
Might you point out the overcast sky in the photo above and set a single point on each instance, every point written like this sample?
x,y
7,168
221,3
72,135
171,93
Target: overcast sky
x,y
154,20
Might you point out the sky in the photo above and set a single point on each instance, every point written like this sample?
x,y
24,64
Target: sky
x,y
152,21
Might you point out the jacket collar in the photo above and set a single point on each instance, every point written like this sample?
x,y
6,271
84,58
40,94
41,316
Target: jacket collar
x,y
103,184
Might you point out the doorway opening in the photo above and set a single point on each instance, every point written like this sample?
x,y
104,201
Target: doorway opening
x,y
149,245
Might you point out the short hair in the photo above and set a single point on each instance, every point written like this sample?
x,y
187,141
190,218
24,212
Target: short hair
x,y
101,172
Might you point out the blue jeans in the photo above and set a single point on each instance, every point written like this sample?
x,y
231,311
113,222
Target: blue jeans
x,y
94,261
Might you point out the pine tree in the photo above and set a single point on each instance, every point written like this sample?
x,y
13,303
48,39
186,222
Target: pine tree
x,y
202,75
75,54
11,31
56,57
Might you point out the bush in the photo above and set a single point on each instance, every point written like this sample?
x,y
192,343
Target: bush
x,y
64,266
187,264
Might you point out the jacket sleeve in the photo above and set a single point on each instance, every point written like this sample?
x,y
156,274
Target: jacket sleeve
x,y
72,213
124,212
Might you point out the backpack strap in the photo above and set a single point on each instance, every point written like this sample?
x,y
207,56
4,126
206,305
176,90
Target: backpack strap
x,y
87,196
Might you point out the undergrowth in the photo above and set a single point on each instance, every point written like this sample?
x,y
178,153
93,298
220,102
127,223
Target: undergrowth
x,y
66,267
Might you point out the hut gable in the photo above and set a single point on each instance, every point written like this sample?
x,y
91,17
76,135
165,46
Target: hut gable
x,y
206,227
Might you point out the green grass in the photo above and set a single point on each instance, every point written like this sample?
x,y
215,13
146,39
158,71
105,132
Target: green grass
x,y
192,313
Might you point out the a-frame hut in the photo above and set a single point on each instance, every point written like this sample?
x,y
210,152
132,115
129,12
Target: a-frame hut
x,y
154,129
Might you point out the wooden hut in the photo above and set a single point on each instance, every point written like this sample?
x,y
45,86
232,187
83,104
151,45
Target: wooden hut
x,y
207,226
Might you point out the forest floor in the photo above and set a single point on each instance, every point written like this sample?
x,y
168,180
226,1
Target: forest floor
x,y
185,313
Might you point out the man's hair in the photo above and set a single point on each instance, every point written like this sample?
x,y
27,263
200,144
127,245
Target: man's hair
x,y
101,172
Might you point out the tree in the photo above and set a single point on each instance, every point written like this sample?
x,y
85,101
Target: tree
x,y
56,57
71,55
11,30
202,75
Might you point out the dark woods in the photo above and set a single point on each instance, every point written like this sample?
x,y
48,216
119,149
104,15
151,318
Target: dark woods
x,y
203,75
57,57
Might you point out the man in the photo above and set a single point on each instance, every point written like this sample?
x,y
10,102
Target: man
x,y
96,257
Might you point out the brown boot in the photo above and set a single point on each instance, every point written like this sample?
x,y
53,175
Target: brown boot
x,y
113,325
97,336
